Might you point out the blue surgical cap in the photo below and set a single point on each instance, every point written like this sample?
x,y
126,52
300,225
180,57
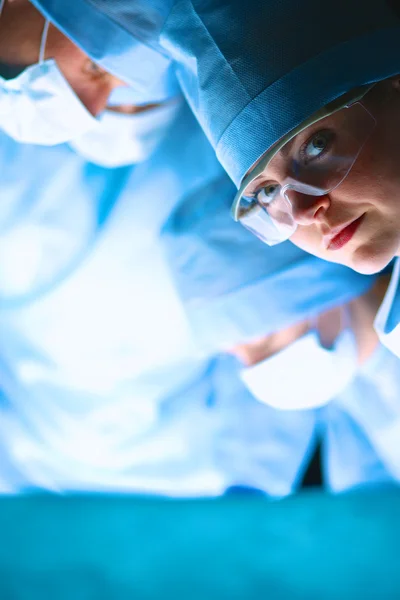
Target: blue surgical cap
x,y
252,70
235,288
148,72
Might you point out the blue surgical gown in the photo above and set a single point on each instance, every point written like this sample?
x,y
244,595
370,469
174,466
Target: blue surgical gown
x,y
104,385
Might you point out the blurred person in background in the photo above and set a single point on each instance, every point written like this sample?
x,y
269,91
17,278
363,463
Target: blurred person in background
x,y
305,332
104,386
52,89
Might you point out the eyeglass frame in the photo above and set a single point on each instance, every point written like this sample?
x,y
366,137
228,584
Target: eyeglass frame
x,y
344,101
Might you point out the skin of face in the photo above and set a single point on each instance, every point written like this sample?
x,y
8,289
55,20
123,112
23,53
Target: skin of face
x,y
21,28
371,190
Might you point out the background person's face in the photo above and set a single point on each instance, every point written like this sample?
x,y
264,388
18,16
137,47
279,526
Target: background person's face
x,y
367,201
21,28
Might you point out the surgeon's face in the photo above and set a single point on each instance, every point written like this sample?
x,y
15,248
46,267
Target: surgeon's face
x,y
358,223
354,153
21,27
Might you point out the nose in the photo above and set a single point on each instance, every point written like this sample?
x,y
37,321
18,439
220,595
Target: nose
x,y
307,209
95,96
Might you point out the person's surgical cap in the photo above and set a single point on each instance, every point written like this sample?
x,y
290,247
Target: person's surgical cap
x,y
253,70
149,73
233,287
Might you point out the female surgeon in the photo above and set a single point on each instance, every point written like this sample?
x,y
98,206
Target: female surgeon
x,y
302,104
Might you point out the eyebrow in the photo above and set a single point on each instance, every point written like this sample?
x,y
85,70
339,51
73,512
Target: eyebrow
x,y
288,146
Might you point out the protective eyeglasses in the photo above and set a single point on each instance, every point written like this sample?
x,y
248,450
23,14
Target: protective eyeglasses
x,y
312,160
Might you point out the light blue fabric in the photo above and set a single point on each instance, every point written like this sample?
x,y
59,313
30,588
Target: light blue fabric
x,y
258,446
149,73
254,70
235,288
103,384
373,402
349,455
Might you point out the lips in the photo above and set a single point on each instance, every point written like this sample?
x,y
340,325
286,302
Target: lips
x,y
345,234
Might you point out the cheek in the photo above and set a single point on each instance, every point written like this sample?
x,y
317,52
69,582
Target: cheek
x,y
374,180
375,251
69,58
308,239
65,52
92,90
71,62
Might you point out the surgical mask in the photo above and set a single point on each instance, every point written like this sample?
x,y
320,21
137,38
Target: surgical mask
x,y
39,106
304,375
124,139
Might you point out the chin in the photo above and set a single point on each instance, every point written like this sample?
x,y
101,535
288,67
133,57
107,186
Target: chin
x,y
367,260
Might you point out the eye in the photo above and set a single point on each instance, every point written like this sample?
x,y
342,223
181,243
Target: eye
x,y
317,145
247,206
267,193
93,69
